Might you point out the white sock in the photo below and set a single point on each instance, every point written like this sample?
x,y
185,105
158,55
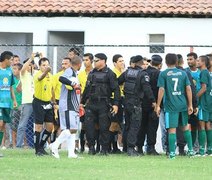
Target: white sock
x,y
61,138
71,144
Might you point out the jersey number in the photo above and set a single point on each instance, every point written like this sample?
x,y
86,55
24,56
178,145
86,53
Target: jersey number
x,y
175,83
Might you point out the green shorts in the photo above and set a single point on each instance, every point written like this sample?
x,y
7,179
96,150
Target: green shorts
x,y
204,115
175,119
5,115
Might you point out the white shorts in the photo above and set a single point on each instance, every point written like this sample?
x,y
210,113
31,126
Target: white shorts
x,y
69,120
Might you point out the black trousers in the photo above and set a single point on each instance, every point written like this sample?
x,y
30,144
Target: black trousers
x,y
132,123
149,127
97,112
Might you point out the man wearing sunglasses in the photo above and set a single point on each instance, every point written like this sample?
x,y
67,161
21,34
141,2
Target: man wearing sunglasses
x,y
100,85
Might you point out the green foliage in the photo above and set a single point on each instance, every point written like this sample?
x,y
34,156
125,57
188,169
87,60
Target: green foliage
x,y
23,164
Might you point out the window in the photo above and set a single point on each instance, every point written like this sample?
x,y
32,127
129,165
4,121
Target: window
x,y
17,38
156,42
61,38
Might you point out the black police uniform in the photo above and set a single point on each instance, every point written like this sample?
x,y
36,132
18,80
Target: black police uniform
x,y
98,91
150,121
136,84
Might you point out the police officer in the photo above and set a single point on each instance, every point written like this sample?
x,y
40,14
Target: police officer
x,y
100,84
150,121
136,85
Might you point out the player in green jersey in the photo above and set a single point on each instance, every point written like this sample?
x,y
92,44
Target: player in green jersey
x,y
174,87
204,96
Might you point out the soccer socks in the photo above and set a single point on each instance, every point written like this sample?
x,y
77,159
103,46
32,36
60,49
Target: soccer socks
x,y
209,141
71,146
188,138
194,136
1,136
202,137
172,140
37,141
61,138
44,138
53,136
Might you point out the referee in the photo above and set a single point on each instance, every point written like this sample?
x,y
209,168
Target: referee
x,y
42,106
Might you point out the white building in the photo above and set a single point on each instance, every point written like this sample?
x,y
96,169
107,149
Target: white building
x,y
100,22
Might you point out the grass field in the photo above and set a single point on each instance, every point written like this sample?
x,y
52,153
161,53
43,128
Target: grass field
x,y
23,164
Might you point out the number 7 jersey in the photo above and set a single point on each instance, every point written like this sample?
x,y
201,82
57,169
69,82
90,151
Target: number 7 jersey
x,y
174,82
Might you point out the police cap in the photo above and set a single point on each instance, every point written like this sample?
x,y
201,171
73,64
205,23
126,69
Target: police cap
x,y
156,58
101,56
137,59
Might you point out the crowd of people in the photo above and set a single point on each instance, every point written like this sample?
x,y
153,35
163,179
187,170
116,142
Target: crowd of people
x,y
108,110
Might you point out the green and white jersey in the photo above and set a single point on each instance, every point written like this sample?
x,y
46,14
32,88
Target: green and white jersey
x,y
210,94
206,98
174,82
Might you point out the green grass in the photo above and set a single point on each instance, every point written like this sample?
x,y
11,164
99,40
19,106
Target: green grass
x,y
23,164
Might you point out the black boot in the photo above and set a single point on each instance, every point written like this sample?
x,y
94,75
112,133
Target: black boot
x,y
151,151
132,152
181,151
140,151
91,150
82,141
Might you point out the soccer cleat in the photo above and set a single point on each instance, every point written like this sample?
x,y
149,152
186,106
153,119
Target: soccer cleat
x,y
39,153
172,155
199,155
190,153
74,156
3,147
54,151
42,150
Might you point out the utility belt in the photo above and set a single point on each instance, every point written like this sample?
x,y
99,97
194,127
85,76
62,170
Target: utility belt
x,y
132,99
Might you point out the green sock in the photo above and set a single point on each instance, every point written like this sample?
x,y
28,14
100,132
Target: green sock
x,y
194,136
187,136
209,140
1,136
172,140
202,136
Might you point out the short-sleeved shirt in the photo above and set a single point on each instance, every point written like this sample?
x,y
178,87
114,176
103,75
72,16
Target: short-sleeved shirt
x,y
43,88
174,82
196,78
27,85
82,76
69,99
118,73
6,81
57,84
204,99
18,95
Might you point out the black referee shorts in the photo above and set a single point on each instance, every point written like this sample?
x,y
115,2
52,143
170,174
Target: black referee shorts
x,y
43,111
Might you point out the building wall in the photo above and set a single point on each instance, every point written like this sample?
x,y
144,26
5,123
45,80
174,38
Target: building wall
x,y
117,31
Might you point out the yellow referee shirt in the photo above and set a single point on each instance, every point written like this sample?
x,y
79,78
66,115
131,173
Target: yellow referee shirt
x,y
57,84
118,73
82,76
43,88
